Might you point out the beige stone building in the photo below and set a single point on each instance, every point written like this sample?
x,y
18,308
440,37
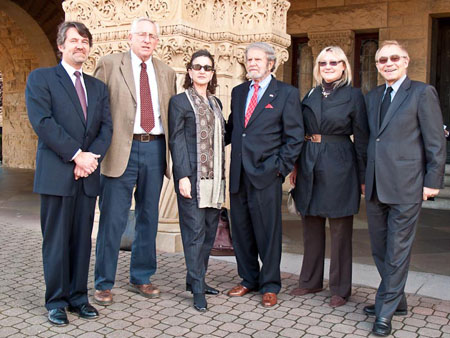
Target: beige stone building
x,y
298,29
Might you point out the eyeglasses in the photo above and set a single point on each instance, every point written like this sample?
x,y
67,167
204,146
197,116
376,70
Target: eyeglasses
x,y
331,63
207,68
394,58
144,35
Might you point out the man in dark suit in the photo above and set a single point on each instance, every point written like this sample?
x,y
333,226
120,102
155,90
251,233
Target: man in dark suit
x,y
69,112
406,160
140,87
266,129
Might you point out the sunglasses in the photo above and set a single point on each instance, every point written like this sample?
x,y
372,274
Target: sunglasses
x,y
331,63
207,68
394,58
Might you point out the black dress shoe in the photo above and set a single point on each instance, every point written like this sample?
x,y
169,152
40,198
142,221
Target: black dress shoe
x,y
382,327
370,311
209,290
200,302
85,310
58,317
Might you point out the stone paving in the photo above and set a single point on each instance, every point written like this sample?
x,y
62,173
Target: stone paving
x,y
22,312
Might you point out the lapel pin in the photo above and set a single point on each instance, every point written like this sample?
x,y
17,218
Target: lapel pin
x,y
271,95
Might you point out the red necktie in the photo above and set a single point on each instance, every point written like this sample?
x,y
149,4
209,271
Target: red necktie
x,y
80,92
252,104
147,118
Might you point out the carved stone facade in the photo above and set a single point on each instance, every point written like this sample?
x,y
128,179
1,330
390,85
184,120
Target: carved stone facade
x,y
23,47
224,27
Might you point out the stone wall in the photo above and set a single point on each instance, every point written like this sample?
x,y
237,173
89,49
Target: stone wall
x,y
16,61
407,21
23,47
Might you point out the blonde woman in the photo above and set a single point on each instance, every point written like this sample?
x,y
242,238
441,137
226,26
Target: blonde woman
x,y
329,174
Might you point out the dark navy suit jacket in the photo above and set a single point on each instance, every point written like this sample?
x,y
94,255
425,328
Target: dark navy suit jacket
x,y
271,142
57,118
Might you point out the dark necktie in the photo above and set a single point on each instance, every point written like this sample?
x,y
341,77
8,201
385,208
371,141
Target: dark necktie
x,y
252,105
385,104
80,92
147,118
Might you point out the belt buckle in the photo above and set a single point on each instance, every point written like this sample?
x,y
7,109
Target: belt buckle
x,y
145,137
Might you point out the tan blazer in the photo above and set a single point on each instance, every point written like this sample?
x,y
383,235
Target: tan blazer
x,y
115,70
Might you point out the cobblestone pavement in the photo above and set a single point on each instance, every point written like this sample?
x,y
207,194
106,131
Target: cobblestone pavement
x,y
22,311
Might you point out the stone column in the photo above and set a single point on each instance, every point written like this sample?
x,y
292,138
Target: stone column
x,y
224,27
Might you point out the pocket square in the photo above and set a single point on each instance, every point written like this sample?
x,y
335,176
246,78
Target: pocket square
x,y
269,106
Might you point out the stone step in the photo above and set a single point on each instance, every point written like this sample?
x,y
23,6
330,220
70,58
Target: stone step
x,y
438,203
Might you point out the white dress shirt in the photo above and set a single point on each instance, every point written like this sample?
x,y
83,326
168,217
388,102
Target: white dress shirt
x,y
136,66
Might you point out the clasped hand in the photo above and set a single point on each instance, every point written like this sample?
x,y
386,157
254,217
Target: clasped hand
x,y
85,164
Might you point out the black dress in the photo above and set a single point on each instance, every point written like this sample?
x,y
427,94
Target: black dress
x,y
330,173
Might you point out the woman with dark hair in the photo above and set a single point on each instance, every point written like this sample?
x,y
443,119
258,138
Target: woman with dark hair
x,y
329,174
196,141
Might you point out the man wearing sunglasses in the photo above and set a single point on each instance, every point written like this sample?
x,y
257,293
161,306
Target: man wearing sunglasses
x,y
405,165
140,87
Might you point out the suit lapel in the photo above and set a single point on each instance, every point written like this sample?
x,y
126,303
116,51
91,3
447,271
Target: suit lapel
x,y
242,100
161,81
269,95
314,102
127,73
375,118
399,97
68,86
92,98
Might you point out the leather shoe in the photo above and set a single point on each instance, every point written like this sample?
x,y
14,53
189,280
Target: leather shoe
x,y
146,290
209,290
304,291
86,311
58,317
337,301
269,299
200,303
103,297
369,310
238,291
382,327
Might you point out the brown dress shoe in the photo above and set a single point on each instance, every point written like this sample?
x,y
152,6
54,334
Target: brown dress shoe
x,y
146,290
238,291
303,291
269,299
103,297
337,301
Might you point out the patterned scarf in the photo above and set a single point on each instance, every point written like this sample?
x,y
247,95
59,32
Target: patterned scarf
x,y
210,149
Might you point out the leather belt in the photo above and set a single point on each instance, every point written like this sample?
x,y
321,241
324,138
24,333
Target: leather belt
x,y
146,137
318,138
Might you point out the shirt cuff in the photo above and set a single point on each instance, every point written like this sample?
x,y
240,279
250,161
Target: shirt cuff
x,y
76,154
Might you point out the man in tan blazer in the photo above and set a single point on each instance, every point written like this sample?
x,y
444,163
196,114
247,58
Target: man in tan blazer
x,y
140,87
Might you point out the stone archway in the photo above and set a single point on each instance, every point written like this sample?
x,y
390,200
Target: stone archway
x,y
23,47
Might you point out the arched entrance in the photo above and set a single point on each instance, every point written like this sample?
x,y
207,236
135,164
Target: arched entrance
x,y
23,47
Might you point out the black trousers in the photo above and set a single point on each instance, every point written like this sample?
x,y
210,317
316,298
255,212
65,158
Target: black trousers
x,y
392,229
311,276
256,231
198,231
66,224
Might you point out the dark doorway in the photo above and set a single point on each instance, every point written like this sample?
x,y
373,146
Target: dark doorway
x,y
440,66
365,72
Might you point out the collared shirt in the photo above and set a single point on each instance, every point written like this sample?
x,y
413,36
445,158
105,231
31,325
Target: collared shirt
x,y
394,87
136,66
71,72
262,88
